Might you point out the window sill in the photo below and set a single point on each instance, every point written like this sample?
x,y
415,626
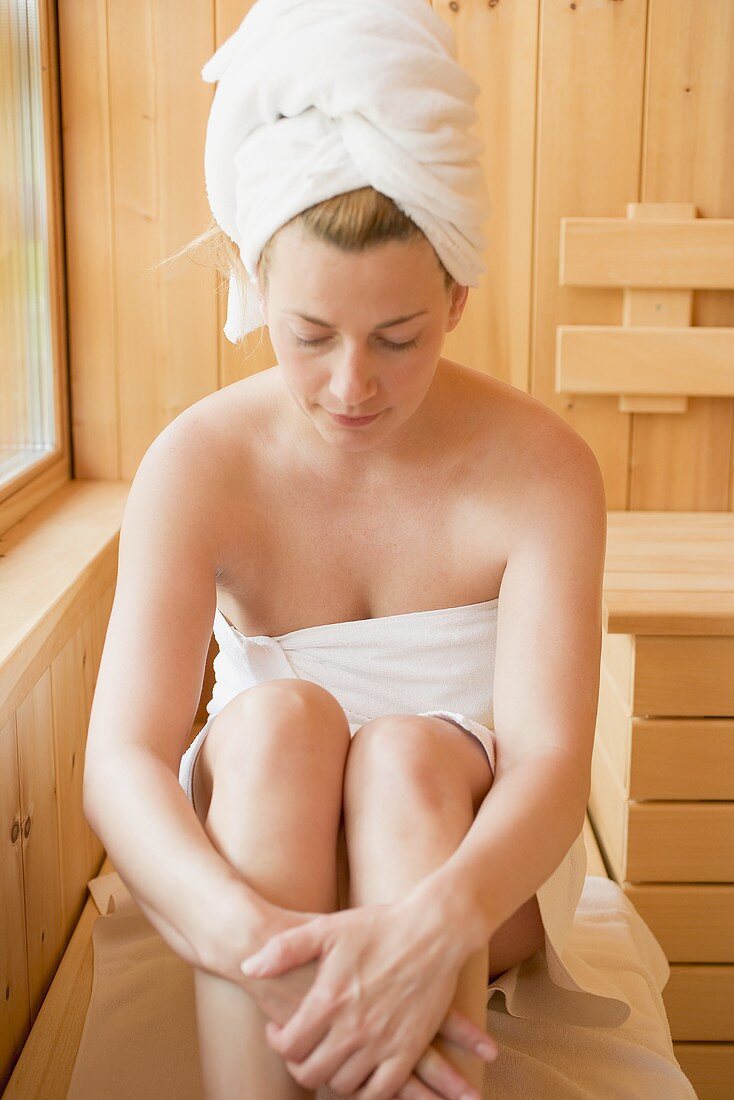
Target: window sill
x,y
55,563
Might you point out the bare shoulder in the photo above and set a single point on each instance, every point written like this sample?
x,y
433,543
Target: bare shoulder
x,y
204,463
216,433
540,460
206,430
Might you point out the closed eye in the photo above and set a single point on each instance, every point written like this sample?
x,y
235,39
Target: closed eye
x,y
387,343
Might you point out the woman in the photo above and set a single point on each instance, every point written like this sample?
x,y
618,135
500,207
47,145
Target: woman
x,y
409,618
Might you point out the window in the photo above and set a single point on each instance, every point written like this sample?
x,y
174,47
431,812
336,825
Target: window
x,y
33,437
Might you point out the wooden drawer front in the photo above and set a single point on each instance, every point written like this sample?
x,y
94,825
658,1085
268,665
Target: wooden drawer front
x,y
669,758
676,676
659,841
709,1067
693,923
699,1001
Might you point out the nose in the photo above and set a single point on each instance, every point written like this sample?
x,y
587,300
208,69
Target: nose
x,y
353,384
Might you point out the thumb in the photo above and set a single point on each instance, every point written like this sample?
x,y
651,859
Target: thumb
x,y
284,951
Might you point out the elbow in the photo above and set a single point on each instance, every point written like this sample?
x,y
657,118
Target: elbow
x,y
90,799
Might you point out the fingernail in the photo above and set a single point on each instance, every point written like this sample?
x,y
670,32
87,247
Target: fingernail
x,y
487,1051
253,966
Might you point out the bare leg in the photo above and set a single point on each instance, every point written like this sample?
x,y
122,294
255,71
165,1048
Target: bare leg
x,y
275,769
410,794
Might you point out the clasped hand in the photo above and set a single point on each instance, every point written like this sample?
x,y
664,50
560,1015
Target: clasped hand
x,y
381,993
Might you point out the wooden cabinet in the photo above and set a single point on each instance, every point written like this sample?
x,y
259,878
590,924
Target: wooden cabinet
x,y
49,850
662,800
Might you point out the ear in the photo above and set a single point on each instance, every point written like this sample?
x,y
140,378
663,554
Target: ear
x,y
459,295
263,304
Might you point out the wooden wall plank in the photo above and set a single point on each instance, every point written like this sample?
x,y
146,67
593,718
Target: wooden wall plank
x,y
589,115
159,104
687,144
89,228
498,44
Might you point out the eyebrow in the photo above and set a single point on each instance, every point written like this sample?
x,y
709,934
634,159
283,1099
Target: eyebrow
x,y
385,324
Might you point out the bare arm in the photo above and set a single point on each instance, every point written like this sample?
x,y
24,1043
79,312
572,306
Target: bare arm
x,y
545,701
145,700
166,860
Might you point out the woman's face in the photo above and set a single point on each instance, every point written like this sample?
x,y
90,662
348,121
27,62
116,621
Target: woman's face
x,y
358,333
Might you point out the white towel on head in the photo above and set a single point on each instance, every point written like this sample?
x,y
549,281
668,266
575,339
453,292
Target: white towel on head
x,y
319,97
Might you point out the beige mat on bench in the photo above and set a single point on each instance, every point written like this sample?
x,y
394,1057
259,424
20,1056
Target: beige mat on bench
x,y
139,1039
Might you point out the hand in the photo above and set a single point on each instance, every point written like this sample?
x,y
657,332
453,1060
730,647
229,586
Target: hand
x,y
386,979
278,997
232,935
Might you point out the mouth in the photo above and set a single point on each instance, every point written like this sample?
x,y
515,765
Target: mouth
x,y
353,421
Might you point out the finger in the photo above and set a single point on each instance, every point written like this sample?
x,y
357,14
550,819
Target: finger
x,y
307,1027
414,1089
327,1062
459,1029
283,952
444,1077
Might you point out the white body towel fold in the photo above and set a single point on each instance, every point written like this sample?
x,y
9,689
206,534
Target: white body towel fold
x,y
427,662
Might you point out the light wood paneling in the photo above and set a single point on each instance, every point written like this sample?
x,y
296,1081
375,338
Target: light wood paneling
x,y
15,1014
79,851
45,938
498,45
667,573
669,758
605,359
709,1067
146,344
590,109
677,676
90,237
54,567
692,921
50,852
662,792
699,1001
672,252
687,142
47,1060
659,841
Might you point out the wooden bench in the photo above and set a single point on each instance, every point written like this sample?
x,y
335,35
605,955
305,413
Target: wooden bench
x,y
662,794
47,1060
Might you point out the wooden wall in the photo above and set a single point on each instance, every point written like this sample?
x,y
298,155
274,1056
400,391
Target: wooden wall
x,y
585,107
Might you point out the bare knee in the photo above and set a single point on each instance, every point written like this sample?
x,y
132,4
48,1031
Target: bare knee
x,y
406,753
269,731
284,699
281,719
